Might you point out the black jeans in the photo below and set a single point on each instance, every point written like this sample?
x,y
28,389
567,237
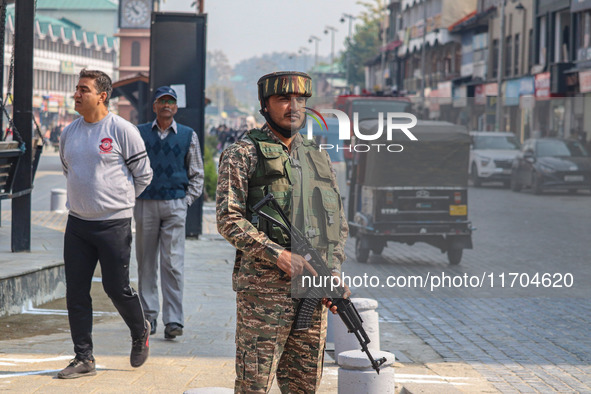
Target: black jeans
x,y
85,243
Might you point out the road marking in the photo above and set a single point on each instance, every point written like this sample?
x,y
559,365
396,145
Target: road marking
x,y
31,310
15,361
431,379
16,374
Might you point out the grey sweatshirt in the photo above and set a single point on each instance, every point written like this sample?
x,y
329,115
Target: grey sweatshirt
x,y
106,167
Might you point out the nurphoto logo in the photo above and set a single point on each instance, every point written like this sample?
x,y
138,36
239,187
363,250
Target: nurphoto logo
x,y
344,123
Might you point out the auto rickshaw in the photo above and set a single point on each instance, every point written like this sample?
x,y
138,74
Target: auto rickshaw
x,y
411,191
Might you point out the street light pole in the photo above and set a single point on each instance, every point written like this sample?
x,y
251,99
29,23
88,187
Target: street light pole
x,y
383,55
500,65
332,30
314,38
350,17
423,77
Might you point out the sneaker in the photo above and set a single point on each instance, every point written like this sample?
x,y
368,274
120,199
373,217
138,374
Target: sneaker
x,y
173,330
140,348
77,369
153,324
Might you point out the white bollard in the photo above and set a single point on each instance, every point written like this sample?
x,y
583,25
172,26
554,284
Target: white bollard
x,y
58,200
357,376
344,341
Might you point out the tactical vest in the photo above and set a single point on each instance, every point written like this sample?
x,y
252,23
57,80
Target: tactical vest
x,y
301,184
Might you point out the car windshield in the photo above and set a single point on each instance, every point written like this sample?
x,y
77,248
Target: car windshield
x,y
560,148
495,142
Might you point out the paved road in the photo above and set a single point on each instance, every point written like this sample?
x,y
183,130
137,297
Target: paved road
x,y
521,339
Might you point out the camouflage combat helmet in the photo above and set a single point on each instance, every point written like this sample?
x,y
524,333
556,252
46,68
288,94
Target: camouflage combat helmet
x,y
284,82
280,83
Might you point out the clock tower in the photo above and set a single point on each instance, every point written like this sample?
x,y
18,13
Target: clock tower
x,y
134,37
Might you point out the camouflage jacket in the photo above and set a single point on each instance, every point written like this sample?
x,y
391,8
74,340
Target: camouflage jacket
x,y
255,266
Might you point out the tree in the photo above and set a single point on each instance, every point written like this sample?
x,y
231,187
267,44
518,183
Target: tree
x,y
217,68
365,43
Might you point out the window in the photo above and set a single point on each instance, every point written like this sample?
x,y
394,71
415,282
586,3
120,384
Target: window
x,y
542,41
530,46
135,53
495,58
516,55
508,54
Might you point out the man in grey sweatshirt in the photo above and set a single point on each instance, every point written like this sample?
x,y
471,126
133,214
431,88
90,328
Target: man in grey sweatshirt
x,y
106,166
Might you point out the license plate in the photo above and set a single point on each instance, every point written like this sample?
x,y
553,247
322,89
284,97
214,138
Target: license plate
x,y
507,171
574,178
458,210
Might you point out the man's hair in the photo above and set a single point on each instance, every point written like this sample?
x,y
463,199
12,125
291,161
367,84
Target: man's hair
x,y
102,82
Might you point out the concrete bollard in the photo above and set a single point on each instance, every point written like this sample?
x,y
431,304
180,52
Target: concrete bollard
x,y
58,200
357,376
344,341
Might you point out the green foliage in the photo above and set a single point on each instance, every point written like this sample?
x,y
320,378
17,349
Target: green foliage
x,y
211,174
365,43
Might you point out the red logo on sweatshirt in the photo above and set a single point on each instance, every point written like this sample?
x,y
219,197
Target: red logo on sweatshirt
x,y
106,145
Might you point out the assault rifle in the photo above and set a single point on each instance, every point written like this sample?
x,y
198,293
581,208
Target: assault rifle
x,y
345,308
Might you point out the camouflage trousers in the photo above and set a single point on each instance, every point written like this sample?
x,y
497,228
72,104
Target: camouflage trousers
x,y
267,346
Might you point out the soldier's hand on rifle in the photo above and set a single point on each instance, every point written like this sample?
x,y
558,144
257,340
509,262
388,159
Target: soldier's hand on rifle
x,y
347,293
294,264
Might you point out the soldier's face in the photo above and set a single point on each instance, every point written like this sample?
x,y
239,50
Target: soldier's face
x,y
287,110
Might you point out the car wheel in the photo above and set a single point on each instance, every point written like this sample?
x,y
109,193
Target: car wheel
x,y
361,254
454,255
515,185
536,184
474,175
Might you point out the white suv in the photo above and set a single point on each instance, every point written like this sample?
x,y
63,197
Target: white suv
x,y
491,156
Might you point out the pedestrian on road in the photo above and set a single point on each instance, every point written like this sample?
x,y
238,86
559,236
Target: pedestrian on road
x,y
276,159
106,167
161,211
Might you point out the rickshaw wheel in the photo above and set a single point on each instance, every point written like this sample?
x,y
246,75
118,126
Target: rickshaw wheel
x,y
454,255
361,254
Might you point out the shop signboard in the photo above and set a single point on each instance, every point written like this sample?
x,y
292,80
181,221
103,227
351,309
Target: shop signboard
x,y
585,81
543,86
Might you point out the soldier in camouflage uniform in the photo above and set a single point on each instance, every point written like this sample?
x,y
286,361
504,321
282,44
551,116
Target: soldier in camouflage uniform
x,y
277,159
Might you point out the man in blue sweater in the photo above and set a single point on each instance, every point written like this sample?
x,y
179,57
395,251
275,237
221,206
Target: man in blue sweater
x,y
161,210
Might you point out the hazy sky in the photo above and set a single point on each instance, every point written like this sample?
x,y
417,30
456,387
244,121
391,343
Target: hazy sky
x,y
246,28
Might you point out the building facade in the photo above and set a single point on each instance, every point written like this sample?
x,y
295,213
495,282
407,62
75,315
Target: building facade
x,y
61,50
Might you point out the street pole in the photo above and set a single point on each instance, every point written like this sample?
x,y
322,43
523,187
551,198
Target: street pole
x,y
500,70
383,56
423,54
332,30
23,118
350,17
316,39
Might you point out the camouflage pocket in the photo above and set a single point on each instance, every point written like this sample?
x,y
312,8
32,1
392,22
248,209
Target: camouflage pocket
x,y
274,162
321,163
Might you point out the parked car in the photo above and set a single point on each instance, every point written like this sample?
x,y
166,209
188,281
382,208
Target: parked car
x,y
330,136
491,156
552,163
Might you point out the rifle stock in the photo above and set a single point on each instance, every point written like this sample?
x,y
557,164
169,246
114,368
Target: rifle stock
x,y
345,308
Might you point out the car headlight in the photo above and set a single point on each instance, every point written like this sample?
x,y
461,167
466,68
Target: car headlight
x,y
547,169
484,161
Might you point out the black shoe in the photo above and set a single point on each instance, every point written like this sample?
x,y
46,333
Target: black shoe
x,y
173,330
77,369
153,324
140,348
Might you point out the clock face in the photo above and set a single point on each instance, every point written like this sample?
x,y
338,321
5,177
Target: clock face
x,y
135,13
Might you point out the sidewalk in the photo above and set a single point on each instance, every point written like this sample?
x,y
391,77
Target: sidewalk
x,y
202,357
